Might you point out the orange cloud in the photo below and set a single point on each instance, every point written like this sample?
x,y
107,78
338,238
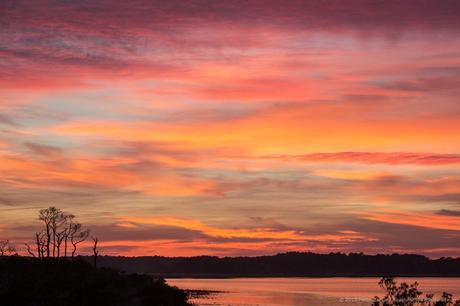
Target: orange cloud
x,y
108,173
290,130
391,158
349,174
257,232
427,220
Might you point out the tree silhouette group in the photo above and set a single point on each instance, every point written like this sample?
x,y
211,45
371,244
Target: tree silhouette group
x,y
53,274
406,294
60,235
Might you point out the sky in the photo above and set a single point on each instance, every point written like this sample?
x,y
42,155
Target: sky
x,y
231,128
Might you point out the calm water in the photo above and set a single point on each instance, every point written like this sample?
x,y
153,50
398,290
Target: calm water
x,y
303,291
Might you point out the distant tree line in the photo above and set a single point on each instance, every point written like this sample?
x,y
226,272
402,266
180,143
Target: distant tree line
x,y
288,264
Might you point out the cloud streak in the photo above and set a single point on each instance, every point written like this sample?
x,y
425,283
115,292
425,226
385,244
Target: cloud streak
x,y
391,158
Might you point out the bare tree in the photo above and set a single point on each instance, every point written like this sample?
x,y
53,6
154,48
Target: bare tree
x,y
50,217
77,235
69,224
62,232
58,231
6,248
95,250
42,243
3,246
38,241
29,250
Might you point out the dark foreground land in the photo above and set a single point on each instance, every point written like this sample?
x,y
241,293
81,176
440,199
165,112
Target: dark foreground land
x,y
293,264
59,282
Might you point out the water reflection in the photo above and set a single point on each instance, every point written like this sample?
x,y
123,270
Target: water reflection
x,y
302,291
273,299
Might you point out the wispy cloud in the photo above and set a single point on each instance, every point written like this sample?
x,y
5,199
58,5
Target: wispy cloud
x,y
434,221
392,158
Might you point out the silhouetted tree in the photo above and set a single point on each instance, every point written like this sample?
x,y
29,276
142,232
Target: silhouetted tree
x,y
51,217
58,230
77,235
95,250
62,233
70,223
409,295
40,240
6,248
29,250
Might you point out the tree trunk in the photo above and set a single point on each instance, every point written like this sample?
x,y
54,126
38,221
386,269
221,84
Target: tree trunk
x,y
54,240
95,251
39,252
48,240
65,247
74,250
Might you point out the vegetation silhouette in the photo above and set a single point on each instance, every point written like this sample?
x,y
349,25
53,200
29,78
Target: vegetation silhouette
x,y
406,294
6,248
286,265
59,232
95,250
60,282
53,274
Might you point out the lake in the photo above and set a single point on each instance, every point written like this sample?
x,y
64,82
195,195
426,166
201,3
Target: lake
x,y
303,291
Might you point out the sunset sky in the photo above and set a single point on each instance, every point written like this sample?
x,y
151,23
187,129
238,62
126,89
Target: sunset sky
x,y
234,127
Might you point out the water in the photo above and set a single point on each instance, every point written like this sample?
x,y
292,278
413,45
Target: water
x,y
303,291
